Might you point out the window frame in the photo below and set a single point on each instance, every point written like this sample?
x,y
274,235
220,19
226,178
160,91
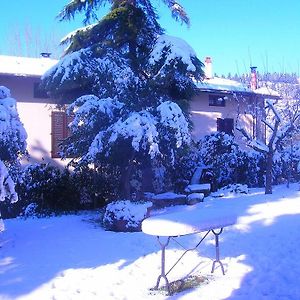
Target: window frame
x,y
214,100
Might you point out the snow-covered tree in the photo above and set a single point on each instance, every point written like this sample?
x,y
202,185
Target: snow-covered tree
x,y
129,86
279,128
12,144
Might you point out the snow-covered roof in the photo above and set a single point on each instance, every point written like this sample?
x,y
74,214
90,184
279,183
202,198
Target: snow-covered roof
x,y
266,91
25,66
224,85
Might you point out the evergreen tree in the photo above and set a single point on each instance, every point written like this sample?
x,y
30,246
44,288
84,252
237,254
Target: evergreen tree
x,y
131,85
12,145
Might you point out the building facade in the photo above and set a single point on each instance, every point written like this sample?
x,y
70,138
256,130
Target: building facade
x,y
220,105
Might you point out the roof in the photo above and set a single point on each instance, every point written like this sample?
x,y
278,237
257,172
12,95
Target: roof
x,y
266,91
228,86
25,66
222,85
36,67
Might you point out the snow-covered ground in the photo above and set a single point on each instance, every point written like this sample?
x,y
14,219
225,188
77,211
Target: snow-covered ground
x,y
72,257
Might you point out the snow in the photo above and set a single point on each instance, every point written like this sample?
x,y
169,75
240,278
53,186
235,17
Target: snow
x,y
73,257
222,84
193,219
177,49
7,186
168,196
142,127
25,66
259,146
172,116
126,210
266,91
198,187
11,128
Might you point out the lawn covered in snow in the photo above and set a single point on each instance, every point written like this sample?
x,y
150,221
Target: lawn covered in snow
x,y
73,257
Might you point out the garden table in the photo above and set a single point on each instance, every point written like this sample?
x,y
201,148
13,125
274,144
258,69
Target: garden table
x,y
190,220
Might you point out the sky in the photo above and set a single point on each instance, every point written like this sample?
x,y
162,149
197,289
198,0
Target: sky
x,y
236,34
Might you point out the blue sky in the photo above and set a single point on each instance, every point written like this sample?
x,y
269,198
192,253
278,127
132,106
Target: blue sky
x,y
235,33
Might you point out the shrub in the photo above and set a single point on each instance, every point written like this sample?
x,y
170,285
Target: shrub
x,y
50,189
125,215
228,163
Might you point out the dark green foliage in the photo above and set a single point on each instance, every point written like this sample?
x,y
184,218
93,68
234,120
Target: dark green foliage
x,y
89,7
185,165
125,69
46,190
228,163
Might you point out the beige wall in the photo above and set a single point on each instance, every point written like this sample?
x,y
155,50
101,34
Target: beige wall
x,y
35,114
204,117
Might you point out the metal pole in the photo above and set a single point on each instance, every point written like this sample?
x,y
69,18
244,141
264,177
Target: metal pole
x,y
217,260
163,264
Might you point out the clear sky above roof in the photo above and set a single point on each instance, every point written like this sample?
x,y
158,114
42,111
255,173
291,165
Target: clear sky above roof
x,y
234,33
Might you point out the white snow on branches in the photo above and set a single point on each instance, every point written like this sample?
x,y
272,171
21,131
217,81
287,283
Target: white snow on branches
x,y
174,48
172,116
143,129
11,128
90,104
7,186
83,63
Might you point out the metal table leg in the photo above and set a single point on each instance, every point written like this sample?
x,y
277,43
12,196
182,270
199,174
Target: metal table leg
x,y
217,260
163,264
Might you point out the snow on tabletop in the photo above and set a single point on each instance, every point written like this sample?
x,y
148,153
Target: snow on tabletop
x,y
197,218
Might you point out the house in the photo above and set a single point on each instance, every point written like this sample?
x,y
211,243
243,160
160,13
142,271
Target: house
x,y
222,105
219,105
22,76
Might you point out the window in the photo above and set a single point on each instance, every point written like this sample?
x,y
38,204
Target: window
x,y
59,130
217,100
225,125
38,92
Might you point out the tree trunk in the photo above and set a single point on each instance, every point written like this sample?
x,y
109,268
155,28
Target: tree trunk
x,y
269,175
125,182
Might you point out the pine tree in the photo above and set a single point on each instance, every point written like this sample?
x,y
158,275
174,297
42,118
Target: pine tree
x,y
131,85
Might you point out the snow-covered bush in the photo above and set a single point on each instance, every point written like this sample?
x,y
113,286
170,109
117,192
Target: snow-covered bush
x,y
286,163
228,163
235,188
125,215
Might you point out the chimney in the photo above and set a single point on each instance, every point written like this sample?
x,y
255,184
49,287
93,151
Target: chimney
x,y
253,79
45,54
208,68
